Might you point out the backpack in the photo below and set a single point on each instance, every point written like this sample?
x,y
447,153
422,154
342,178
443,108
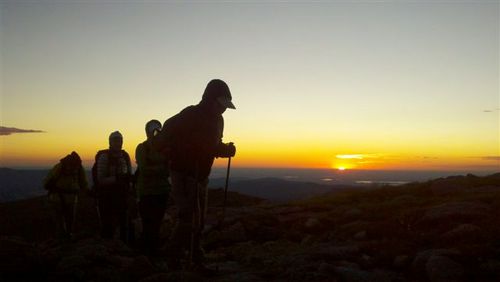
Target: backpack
x,y
95,181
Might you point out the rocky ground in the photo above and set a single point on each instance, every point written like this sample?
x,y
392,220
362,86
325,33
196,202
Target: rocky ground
x,y
442,230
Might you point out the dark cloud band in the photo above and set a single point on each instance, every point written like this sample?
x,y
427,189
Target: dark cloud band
x,y
12,130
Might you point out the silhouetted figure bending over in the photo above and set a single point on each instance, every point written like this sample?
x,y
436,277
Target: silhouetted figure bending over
x,y
64,182
193,138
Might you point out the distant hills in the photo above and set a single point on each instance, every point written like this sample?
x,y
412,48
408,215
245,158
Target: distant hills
x,y
278,190
25,184
20,184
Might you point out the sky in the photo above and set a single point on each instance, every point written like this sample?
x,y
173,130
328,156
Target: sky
x,y
343,85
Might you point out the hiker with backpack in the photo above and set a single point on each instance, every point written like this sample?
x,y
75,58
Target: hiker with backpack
x,y
111,174
64,182
193,139
153,188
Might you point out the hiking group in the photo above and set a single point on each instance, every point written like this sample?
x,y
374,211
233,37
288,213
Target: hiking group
x,y
174,162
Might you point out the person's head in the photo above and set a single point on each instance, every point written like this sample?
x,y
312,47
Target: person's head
x,y
115,141
71,163
153,127
217,96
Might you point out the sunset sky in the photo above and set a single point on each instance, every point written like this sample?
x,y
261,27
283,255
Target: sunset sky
x,y
365,85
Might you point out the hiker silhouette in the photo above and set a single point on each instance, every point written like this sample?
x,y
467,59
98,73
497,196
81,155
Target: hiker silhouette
x,y
193,139
153,188
63,183
112,181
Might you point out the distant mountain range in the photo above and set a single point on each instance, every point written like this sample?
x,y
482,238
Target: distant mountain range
x,y
20,184
24,184
276,189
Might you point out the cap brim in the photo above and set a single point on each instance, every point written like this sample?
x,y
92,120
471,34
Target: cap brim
x,y
224,101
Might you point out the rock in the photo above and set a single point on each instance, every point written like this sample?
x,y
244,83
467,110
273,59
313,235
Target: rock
x,y
353,213
71,268
463,232
103,273
72,262
347,274
93,252
406,200
441,268
326,268
312,223
309,239
233,234
455,210
140,268
17,255
174,276
486,189
120,261
401,261
329,252
360,235
347,264
419,263
442,188
491,270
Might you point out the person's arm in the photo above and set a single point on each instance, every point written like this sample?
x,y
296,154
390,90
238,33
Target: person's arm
x,y
223,150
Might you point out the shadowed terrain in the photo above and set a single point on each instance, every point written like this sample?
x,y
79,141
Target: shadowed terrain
x,y
441,230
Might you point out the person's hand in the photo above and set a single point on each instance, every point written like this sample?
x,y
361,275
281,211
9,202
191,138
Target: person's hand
x,y
228,150
231,149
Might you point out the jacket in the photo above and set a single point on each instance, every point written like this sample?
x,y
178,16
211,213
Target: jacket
x,y
152,171
59,182
193,139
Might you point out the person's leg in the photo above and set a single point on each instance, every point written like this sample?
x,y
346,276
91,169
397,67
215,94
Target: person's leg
x,y
159,207
57,214
198,252
106,211
145,213
69,213
121,213
181,236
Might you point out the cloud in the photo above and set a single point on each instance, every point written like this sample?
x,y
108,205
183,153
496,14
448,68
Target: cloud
x,y
351,156
491,110
12,130
491,158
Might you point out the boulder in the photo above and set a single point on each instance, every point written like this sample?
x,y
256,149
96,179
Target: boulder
x,y
463,232
140,268
353,213
441,268
312,223
490,270
419,263
360,235
17,255
330,252
401,261
347,274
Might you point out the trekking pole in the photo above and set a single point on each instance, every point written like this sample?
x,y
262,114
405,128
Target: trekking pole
x,y
225,189
96,203
194,219
73,223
